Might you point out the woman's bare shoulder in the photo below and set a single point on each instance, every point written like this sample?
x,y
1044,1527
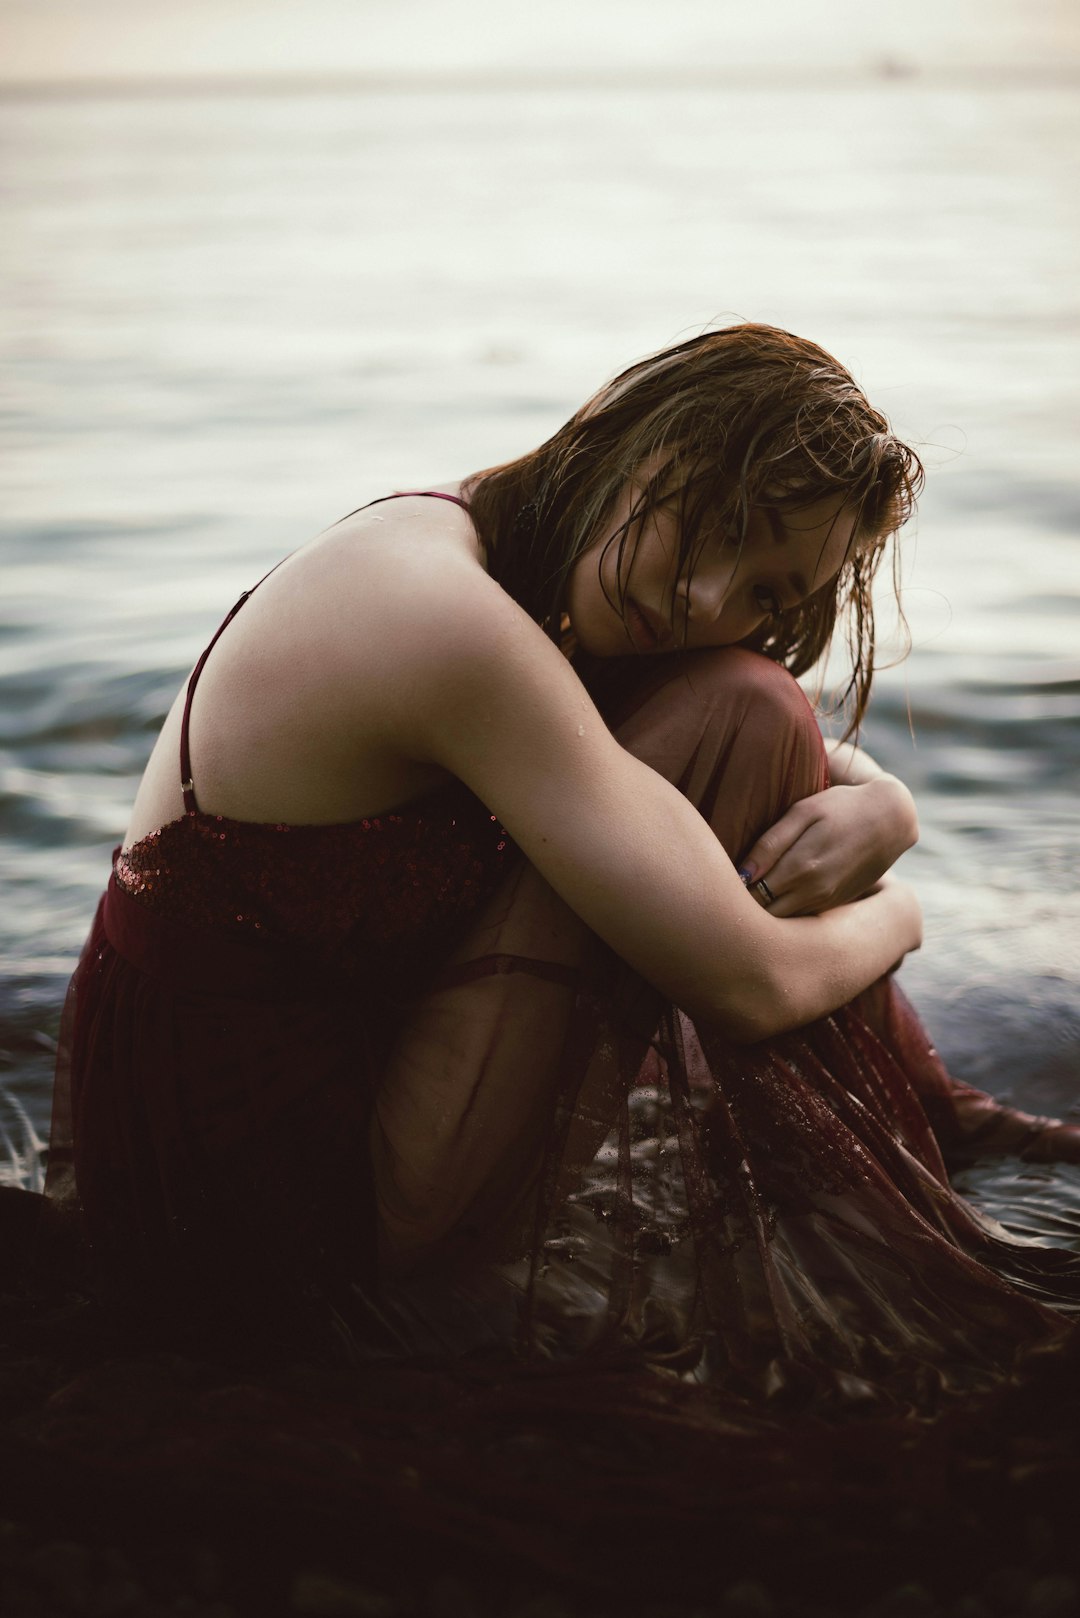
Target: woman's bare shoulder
x,y
412,576
393,527
358,603
302,705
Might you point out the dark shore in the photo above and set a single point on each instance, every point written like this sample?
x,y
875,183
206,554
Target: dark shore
x,y
153,1482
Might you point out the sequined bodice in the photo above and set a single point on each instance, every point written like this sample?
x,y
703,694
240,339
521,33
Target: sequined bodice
x,y
388,886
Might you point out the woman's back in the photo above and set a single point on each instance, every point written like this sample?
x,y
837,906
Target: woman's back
x,y
286,724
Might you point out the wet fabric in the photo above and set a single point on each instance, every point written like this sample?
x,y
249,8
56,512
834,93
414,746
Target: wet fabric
x,y
225,1027
422,1101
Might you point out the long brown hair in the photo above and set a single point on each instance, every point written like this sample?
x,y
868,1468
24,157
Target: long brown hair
x,y
744,417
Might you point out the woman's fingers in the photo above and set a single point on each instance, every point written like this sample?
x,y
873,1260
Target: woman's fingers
x,y
772,845
792,867
793,890
791,903
763,892
826,850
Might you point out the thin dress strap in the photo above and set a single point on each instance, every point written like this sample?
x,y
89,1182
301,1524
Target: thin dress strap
x,y
407,494
187,781
187,784
412,494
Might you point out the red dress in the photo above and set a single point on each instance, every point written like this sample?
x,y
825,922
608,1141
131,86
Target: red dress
x,y
254,1001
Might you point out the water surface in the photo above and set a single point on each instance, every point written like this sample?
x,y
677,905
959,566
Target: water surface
x,y
233,317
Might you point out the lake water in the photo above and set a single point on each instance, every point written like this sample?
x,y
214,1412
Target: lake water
x,y
232,317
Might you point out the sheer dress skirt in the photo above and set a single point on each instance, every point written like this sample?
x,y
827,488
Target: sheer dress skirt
x,y
526,1147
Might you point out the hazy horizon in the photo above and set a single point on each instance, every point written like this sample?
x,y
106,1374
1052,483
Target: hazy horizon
x,y
80,42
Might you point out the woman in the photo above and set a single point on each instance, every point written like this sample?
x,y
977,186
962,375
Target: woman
x,y
493,828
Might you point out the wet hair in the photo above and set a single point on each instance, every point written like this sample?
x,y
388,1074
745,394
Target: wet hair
x,y
746,417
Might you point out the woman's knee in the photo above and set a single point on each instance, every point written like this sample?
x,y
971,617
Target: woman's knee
x,y
733,731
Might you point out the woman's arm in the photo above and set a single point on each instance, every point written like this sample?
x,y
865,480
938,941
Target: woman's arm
x,y
479,690
833,847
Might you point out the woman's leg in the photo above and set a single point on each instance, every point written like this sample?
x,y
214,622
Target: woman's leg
x,y
967,1122
534,1026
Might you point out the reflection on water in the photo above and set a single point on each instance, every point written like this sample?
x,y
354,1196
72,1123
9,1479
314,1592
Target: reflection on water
x,y
237,317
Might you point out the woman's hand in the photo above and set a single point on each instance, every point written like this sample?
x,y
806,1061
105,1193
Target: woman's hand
x,y
831,848
483,694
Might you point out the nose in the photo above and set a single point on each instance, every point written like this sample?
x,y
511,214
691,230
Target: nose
x,y
706,592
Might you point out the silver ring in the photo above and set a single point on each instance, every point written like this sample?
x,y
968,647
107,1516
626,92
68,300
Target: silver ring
x,y
766,892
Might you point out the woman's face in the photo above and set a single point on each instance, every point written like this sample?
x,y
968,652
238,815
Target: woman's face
x,y
785,557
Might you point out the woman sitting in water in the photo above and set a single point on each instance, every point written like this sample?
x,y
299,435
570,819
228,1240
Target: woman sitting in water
x,y
494,827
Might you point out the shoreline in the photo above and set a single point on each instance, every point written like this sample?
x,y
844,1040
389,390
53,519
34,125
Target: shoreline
x,y
157,1480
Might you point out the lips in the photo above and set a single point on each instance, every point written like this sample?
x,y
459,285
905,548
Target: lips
x,y
648,631
642,633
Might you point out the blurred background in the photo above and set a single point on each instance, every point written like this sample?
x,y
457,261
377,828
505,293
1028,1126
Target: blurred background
x,y
264,262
